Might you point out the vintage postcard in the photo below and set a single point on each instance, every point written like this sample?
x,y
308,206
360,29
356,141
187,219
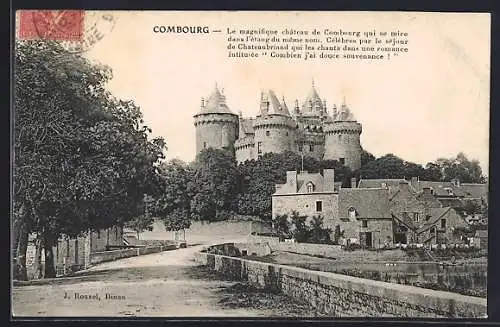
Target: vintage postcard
x,y
250,164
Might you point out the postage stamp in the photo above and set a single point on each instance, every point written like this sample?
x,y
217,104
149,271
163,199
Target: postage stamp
x,y
77,30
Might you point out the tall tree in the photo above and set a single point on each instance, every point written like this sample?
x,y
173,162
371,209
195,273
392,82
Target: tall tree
x,y
173,203
83,159
460,167
214,185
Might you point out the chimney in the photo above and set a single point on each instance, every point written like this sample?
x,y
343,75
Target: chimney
x,y
404,185
426,191
291,180
414,181
329,180
353,182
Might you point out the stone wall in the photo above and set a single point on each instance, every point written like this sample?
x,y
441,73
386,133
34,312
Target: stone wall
x,y
329,251
98,257
346,296
305,204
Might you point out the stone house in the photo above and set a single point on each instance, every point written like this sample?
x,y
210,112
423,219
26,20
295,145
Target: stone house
x,y
361,213
309,194
364,214
440,227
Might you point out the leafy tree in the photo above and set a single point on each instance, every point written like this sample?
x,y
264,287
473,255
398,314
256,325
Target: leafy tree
x,y
300,230
366,157
432,172
144,221
390,166
83,159
282,225
337,234
461,168
318,234
214,184
173,203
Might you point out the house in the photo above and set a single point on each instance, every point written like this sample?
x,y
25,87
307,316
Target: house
x,y
309,194
440,226
364,214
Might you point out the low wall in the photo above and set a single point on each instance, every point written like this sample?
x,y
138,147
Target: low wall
x,y
309,249
347,296
98,257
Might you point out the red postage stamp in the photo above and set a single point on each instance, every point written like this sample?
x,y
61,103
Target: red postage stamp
x,y
62,25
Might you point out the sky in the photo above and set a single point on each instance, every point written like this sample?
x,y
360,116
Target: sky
x,y
429,103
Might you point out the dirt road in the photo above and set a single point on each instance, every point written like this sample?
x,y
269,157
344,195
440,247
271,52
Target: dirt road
x,y
162,284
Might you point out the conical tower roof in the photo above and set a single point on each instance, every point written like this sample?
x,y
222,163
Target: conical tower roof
x,y
216,103
270,105
313,105
344,114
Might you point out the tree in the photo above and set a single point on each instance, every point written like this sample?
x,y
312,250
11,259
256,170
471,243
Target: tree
x,y
366,157
83,159
318,234
173,203
144,221
300,231
214,184
390,166
461,168
282,225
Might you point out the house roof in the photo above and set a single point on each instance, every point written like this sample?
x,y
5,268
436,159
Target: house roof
x,y
377,183
405,219
304,178
436,214
368,202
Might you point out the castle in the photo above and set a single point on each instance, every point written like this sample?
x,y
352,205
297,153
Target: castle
x,y
309,130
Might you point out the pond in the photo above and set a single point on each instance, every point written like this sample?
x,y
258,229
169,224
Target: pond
x,y
468,279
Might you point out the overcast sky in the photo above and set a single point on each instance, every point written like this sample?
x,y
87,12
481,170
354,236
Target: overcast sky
x,y
432,102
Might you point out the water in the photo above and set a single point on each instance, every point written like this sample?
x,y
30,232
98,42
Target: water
x,y
469,279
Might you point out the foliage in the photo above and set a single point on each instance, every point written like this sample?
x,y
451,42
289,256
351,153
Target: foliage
x,y
318,234
213,185
83,159
143,221
258,179
173,204
282,226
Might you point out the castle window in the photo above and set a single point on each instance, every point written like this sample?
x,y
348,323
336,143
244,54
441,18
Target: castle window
x,y
340,137
259,147
342,161
204,145
268,133
364,223
319,206
415,217
443,223
311,147
300,147
286,133
352,213
310,187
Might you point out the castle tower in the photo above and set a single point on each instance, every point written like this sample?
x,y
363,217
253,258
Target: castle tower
x,y
274,128
342,138
216,126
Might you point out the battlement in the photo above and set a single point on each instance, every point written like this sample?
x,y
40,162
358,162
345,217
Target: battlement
x,y
211,118
274,121
343,127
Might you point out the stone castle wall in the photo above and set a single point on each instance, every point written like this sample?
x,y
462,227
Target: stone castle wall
x,y
216,131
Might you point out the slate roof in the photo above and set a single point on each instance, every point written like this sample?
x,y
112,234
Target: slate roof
x,y
309,106
344,114
368,202
216,103
275,106
246,126
303,178
377,183
436,214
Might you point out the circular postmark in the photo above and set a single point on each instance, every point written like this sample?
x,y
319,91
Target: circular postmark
x,y
76,30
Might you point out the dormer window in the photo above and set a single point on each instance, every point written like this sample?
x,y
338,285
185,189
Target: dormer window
x,y
351,213
384,185
310,187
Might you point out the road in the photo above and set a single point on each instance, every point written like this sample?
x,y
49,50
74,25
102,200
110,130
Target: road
x,y
161,284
